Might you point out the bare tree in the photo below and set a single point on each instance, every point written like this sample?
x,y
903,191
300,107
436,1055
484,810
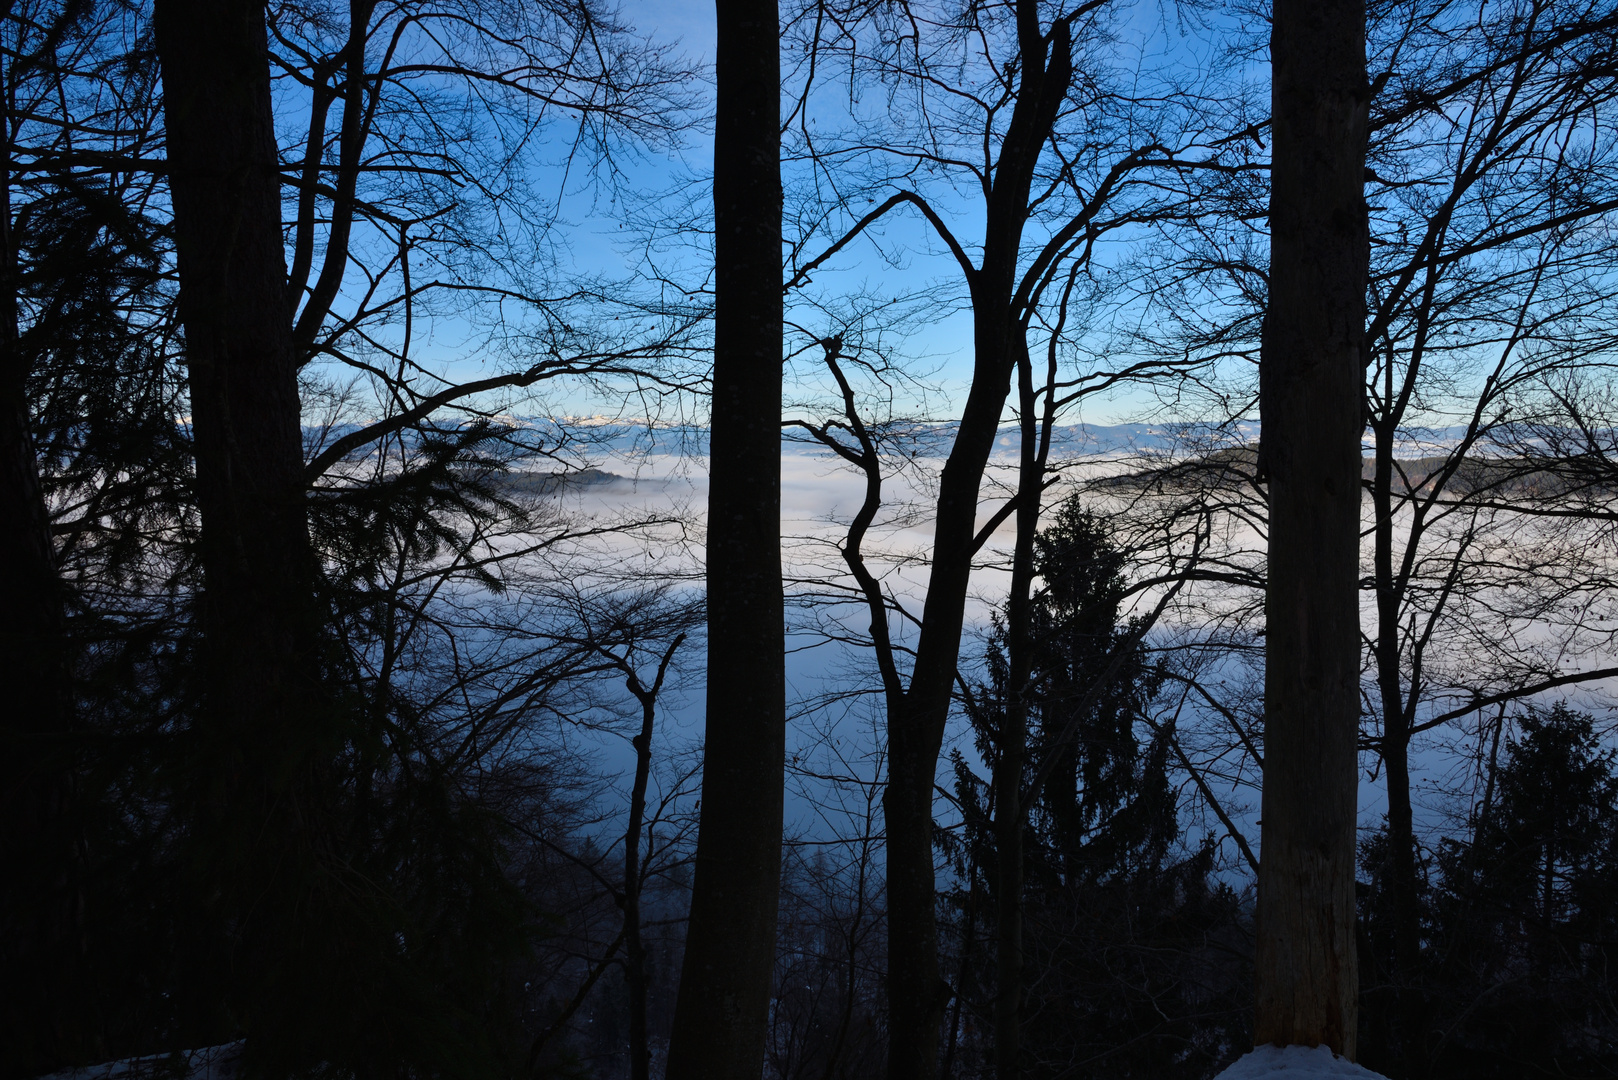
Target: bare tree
x,y
417,161
279,716
1054,179
1461,280
1471,304
826,1020
634,874
1484,288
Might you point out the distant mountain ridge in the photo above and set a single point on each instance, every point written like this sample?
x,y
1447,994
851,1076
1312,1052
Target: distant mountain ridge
x,y
589,437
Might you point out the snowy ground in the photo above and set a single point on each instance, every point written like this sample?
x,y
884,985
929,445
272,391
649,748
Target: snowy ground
x,y
209,1063
1295,1063
223,1063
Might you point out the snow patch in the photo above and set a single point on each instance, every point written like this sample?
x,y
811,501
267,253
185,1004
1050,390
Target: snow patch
x,y
209,1063
1296,1063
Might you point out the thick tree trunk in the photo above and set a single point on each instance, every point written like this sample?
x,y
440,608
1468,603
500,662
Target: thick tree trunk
x,y
265,725
41,947
1312,390
723,1008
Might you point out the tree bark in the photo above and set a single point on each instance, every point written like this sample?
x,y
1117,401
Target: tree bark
x,y
721,1015
264,724
1311,398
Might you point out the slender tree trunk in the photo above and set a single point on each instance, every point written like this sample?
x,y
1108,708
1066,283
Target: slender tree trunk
x,y
1409,1019
1011,814
851,955
634,948
1008,851
721,1015
43,1013
265,726
1312,391
1402,857
1395,716
963,979
1486,807
917,992
640,1057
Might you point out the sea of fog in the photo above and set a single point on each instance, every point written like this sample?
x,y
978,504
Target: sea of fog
x,y
834,747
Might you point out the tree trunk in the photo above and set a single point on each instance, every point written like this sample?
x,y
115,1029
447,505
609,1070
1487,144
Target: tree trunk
x,y
1011,814
1008,851
1409,1018
41,946
1395,744
264,724
635,949
917,992
640,1057
722,1012
1311,393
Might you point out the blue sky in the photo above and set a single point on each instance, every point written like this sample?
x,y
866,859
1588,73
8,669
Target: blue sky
x,y
936,341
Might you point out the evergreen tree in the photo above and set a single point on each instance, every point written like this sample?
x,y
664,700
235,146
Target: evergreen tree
x,y
1127,930
1517,921
1108,809
1527,913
